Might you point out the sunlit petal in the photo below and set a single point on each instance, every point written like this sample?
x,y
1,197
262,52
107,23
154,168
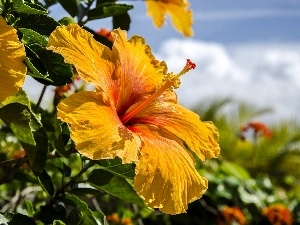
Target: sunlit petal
x,y
91,59
200,137
12,54
96,128
137,71
157,10
165,174
181,16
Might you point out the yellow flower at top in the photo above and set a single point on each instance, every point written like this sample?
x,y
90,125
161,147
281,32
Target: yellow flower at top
x,y
133,114
12,54
181,17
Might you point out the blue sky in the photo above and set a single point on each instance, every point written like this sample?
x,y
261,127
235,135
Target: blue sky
x,y
248,50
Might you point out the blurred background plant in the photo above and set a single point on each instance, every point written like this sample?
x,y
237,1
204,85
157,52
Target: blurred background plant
x,y
256,180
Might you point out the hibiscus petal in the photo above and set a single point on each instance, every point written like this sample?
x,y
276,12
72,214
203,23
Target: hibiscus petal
x,y
96,128
200,137
165,174
181,17
137,71
156,10
90,58
12,68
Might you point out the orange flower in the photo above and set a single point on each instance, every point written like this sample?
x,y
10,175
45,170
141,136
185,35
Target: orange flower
x,y
133,114
12,54
115,220
180,15
59,91
231,215
258,128
105,33
278,215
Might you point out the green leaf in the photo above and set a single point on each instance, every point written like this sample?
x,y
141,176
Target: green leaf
x,y
32,37
42,24
75,216
58,222
50,2
121,21
108,9
59,72
29,132
116,167
74,201
29,8
29,207
71,6
66,21
235,169
20,97
16,219
34,72
115,185
45,181
61,138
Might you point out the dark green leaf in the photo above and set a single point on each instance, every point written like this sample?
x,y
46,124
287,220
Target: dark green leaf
x,y
16,219
71,6
29,8
24,177
75,216
74,201
66,170
108,9
98,2
34,72
116,167
61,138
29,132
42,24
45,181
59,72
50,213
121,21
115,185
48,3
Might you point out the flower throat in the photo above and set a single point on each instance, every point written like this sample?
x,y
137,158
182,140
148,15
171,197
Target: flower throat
x,y
171,81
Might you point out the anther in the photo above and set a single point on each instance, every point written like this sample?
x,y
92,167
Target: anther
x,y
171,81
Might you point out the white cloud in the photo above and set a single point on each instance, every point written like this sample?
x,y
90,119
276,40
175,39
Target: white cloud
x,y
263,74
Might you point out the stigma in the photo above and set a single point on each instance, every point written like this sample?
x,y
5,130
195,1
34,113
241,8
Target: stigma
x,y
171,81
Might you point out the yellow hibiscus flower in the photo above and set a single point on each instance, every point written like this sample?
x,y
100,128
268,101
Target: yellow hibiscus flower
x,y
134,115
181,16
12,69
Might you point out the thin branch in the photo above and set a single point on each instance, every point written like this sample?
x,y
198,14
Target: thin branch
x,y
36,110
